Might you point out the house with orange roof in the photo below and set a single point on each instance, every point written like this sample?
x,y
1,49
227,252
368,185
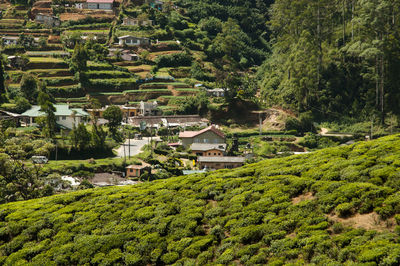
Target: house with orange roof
x,y
209,135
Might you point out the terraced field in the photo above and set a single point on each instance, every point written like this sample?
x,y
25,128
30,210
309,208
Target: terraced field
x,y
111,81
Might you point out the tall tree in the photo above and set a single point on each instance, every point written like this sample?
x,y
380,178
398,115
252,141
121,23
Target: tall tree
x,y
29,87
79,58
80,137
114,116
334,57
48,108
3,96
21,182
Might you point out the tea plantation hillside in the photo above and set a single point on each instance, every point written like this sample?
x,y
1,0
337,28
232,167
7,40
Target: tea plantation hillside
x,y
277,211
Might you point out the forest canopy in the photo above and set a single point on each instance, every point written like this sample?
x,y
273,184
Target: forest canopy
x,y
334,57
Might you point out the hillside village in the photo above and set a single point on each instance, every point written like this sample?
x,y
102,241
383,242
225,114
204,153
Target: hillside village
x,y
94,55
199,132
96,79
106,92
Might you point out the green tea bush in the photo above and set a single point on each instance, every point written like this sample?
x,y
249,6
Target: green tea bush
x,y
344,209
174,60
275,211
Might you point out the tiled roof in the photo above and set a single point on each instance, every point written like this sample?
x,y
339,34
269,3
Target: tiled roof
x,y
192,134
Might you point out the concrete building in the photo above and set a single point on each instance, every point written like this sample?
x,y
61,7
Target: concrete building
x,y
217,163
133,41
170,121
216,92
148,109
126,55
65,117
133,171
9,116
100,4
127,111
136,22
9,40
210,150
209,135
48,20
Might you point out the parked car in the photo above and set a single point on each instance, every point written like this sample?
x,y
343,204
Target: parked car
x,y
39,159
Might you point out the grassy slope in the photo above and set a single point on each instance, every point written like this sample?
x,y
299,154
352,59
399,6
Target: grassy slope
x,y
245,216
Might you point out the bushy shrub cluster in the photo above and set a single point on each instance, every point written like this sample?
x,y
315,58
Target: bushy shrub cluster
x,y
174,60
276,211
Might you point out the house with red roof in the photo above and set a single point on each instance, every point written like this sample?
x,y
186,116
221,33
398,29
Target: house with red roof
x,y
209,135
100,4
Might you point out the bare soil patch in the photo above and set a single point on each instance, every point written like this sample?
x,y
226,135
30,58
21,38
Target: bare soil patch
x,y
276,119
369,221
71,16
303,197
213,203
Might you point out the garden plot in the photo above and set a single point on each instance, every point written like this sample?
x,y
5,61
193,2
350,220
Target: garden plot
x,y
154,55
46,63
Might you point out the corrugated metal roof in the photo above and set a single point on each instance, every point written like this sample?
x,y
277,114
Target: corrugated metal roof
x,y
61,110
226,159
207,147
101,1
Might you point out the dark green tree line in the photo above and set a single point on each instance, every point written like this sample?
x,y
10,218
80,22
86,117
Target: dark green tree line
x,y
334,57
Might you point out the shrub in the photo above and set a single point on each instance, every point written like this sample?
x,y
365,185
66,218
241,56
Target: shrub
x,y
174,60
170,257
344,209
226,257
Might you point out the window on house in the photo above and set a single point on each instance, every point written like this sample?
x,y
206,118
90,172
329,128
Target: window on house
x,y
64,118
215,153
131,170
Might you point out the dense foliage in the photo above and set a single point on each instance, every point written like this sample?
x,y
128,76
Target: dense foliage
x,y
334,57
250,215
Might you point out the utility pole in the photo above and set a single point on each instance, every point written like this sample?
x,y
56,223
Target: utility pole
x,y
129,144
151,140
260,119
124,154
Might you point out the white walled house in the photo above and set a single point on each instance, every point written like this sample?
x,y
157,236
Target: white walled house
x,y
10,40
66,117
100,4
128,56
48,20
133,41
